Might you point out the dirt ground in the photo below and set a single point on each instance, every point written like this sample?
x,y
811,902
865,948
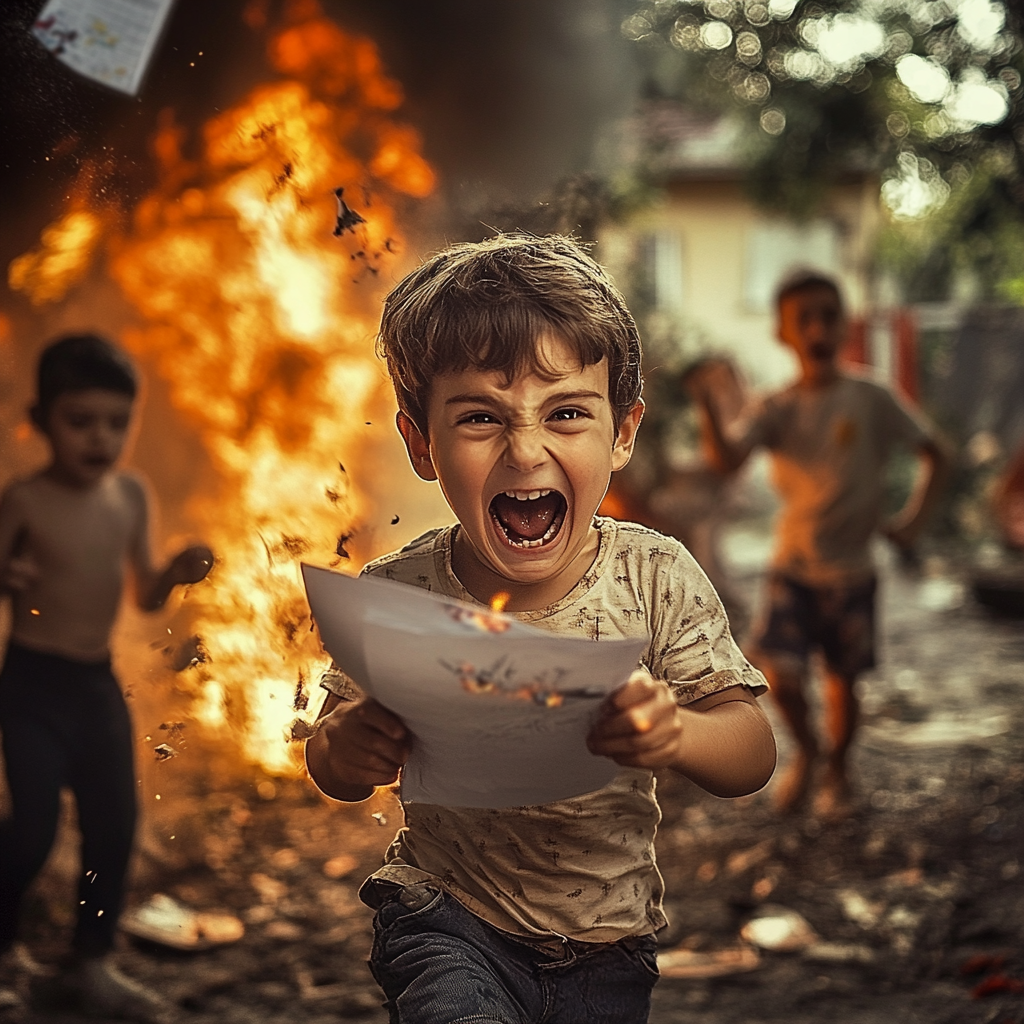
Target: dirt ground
x,y
918,900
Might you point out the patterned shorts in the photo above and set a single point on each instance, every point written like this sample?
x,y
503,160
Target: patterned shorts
x,y
838,620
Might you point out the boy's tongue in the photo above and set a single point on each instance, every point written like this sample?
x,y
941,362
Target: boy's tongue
x,y
528,520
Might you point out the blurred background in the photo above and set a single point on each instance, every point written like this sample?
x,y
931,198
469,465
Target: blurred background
x,y
704,149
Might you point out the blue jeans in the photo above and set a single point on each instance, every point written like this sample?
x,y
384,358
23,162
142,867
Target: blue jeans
x,y
439,964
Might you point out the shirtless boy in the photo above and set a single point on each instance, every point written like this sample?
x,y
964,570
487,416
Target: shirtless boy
x,y
517,370
66,535
830,435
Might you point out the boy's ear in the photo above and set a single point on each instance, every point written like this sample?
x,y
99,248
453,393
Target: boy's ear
x,y
625,437
417,446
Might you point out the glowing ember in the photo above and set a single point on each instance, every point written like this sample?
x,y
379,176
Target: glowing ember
x,y
499,601
262,322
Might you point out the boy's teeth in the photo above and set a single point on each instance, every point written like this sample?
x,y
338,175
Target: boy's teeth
x,y
548,534
527,495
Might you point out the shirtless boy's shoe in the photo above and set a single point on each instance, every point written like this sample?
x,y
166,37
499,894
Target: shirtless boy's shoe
x,y
793,786
103,991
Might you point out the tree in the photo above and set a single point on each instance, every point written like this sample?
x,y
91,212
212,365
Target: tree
x,y
927,93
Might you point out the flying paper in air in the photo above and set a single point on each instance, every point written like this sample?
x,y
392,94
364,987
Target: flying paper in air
x,y
109,41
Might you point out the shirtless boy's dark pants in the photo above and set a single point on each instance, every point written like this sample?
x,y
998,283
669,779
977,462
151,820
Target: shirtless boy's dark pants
x,y
65,723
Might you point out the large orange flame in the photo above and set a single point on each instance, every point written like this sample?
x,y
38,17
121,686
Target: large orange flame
x,y
261,319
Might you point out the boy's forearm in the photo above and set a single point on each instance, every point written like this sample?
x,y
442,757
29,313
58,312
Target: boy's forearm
x,y
729,749
154,591
931,480
730,454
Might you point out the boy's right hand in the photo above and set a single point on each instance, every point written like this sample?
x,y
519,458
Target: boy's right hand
x,y
359,745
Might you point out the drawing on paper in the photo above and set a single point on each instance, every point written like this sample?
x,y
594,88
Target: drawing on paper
x,y
501,680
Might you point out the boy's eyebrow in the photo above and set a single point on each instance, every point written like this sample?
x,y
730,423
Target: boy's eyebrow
x,y
562,396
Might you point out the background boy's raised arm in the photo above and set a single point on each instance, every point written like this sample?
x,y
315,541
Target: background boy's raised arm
x,y
730,443
152,585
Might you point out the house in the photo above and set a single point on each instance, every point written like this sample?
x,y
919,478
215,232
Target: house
x,y
702,264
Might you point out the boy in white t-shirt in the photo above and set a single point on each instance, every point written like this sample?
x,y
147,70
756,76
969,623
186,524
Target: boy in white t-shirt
x,y
517,370
830,436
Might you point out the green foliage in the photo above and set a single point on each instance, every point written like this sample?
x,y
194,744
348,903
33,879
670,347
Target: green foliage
x,y
909,89
976,237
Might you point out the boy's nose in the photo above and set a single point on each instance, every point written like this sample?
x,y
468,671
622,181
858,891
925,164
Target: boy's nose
x,y
524,451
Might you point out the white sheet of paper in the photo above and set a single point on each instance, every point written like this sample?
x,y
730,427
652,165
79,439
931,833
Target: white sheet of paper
x,y
109,41
499,709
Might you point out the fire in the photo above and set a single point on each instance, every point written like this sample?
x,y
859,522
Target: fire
x,y
66,252
500,599
262,321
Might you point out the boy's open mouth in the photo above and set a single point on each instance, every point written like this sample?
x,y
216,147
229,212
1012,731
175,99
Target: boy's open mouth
x,y
529,519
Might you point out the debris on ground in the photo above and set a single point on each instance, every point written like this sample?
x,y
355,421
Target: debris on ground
x,y
167,922
780,930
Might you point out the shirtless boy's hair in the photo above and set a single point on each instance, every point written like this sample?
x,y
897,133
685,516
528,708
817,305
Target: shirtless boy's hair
x,y
78,362
485,305
804,280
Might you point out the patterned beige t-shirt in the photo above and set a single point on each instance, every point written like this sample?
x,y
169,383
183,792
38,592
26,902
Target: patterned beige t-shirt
x,y
581,868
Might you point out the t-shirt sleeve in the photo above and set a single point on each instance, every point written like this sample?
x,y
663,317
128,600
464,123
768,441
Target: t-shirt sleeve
x,y
692,647
335,681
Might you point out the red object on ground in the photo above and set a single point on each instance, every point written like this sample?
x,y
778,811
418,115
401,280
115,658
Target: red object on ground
x,y
981,962
996,983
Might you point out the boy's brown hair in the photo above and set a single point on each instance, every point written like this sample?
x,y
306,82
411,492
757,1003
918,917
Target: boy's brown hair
x,y
78,362
804,279
485,304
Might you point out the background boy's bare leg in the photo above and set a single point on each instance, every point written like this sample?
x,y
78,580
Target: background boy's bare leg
x,y
788,683
842,713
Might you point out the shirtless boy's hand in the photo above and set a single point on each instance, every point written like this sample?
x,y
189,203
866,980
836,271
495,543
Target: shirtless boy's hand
x,y
640,724
191,565
360,745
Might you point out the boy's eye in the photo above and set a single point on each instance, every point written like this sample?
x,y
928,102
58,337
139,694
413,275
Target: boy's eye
x,y
478,417
568,414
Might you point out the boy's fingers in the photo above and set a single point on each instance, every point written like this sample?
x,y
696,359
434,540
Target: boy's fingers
x,y
639,717
659,757
621,741
635,690
377,717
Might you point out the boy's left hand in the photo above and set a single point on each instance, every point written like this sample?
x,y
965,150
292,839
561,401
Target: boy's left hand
x,y
640,724
191,565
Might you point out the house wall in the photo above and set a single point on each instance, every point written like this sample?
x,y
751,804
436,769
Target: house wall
x,y
728,256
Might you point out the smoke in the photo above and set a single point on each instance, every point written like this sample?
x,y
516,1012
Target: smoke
x,y
511,97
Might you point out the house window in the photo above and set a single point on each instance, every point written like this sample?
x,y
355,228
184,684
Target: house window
x,y
775,250
662,271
